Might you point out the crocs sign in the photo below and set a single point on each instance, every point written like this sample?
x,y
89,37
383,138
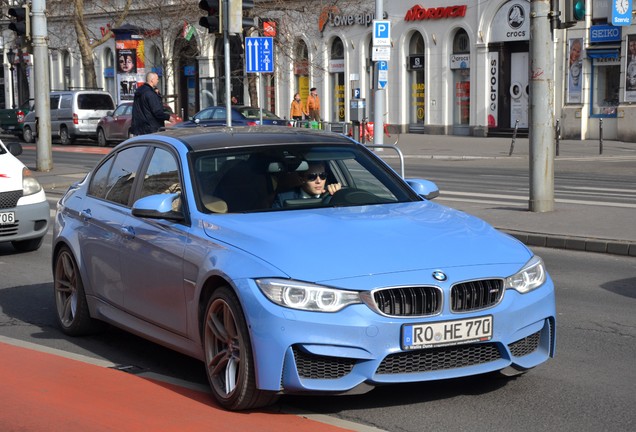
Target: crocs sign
x,y
418,13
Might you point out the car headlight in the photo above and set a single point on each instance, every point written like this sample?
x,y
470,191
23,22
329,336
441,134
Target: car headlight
x,y
306,296
30,185
530,277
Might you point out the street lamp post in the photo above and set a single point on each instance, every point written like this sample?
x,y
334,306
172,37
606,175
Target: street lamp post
x,y
11,58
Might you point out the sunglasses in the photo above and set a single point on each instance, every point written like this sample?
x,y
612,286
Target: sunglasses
x,y
314,176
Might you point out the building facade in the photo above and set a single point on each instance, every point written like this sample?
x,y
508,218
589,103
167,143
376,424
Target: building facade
x,y
454,67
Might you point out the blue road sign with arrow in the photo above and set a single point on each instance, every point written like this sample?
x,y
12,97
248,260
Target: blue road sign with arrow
x,y
383,74
259,54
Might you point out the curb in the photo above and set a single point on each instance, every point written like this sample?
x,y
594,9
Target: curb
x,y
584,244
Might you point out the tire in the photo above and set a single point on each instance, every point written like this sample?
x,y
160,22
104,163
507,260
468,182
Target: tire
x,y
101,138
71,306
27,245
65,137
228,355
27,135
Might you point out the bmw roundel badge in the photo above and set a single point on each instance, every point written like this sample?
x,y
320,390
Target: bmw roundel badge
x,y
439,275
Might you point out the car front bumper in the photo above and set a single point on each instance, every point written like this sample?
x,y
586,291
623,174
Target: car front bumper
x,y
356,348
32,221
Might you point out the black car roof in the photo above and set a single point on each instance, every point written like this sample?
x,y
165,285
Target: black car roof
x,y
204,138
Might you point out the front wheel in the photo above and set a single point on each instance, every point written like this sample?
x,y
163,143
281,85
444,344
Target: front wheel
x,y
228,355
70,299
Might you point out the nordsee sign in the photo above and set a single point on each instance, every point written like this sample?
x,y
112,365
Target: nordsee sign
x,y
605,33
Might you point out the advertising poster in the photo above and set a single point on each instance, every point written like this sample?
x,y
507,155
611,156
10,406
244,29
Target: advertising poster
x,y
575,70
129,53
630,69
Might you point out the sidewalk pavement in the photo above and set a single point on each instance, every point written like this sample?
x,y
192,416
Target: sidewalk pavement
x,y
576,226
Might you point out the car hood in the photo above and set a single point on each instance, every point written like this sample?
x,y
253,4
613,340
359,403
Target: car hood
x,y
335,243
10,173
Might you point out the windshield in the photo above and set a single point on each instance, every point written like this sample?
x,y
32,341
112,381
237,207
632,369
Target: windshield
x,y
255,113
281,178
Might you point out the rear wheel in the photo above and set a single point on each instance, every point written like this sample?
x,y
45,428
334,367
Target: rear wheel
x,y
228,355
101,138
27,135
65,137
70,299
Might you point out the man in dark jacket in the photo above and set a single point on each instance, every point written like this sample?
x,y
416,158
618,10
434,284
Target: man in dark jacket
x,y
147,113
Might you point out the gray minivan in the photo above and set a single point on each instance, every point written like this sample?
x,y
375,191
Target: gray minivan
x,y
74,114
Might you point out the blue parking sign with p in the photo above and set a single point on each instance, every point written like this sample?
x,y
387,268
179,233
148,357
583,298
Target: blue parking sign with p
x,y
381,33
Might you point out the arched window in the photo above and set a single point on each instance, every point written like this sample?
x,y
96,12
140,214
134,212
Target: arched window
x,y
416,75
301,70
460,65
337,77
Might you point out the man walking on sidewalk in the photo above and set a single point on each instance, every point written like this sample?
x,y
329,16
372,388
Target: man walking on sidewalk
x,y
147,113
313,105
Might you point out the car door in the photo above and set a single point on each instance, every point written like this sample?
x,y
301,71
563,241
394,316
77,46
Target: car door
x,y
101,220
120,123
152,253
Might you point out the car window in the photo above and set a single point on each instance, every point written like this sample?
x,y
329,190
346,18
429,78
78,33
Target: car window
x,y
95,101
162,175
121,110
252,180
54,101
114,182
219,114
66,101
255,113
206,114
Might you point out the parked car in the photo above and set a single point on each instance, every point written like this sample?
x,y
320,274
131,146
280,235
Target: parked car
x,y
74,114
24,210
241,116
115,125
175,236
12,120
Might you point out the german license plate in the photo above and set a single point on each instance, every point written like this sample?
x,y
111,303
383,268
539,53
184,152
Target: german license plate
x,y
7,218
426,335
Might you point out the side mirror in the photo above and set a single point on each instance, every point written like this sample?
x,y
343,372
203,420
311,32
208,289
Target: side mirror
x,y
161,206
424,188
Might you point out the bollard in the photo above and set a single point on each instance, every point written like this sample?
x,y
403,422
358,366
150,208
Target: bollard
x,y
558,136
514,137
600,136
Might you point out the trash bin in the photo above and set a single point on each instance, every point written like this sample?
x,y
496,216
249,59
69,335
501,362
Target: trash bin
x,y
314,124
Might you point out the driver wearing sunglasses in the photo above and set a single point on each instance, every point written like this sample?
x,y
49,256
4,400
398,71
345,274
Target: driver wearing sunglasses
x,y
313,185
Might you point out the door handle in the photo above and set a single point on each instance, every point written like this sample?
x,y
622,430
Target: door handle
x,y
86,214
128,232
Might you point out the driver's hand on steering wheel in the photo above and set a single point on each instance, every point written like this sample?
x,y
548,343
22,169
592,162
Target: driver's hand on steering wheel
x,y
333,188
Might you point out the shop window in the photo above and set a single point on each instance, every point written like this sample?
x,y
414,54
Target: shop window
x,y
416,79
605,84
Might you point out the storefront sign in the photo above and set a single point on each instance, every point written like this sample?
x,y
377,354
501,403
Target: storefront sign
x,y
493,84
511,22
419,13
416,62
336,65
605,33
460,61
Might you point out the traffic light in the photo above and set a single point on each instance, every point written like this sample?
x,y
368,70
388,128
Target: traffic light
x,y
240,19
574,11
214,21
21,21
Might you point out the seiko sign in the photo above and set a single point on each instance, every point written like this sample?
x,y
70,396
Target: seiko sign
x,y
605,33
418,13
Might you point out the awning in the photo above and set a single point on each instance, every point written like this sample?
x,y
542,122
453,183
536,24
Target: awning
x,y
602,53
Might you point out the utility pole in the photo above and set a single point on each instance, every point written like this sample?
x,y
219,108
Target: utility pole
x,y
44,155
378,114
226,56
541,110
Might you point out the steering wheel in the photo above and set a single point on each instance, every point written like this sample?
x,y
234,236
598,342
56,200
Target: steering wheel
x,y
350,196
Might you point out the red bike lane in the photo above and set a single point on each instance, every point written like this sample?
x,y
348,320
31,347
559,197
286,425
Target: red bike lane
x,y
41,391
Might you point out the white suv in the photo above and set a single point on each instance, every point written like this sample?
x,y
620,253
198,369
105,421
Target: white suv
x,y
24,210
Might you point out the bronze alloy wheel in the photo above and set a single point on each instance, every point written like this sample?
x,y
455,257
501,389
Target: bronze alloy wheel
x,y
228,355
